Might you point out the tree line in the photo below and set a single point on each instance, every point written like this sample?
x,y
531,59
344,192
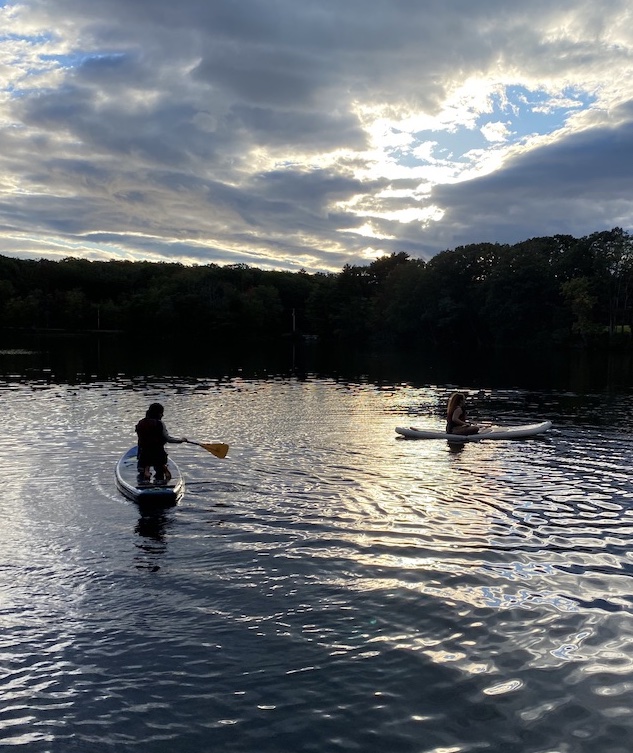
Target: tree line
x,y
556,290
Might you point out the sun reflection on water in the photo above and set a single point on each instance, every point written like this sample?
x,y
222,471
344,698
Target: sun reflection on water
x,y
475,591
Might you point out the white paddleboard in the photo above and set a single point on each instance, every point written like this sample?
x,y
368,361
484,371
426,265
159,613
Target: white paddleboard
x,y
126,477
487,432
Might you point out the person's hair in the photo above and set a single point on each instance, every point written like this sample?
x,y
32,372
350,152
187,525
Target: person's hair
x,y
453,402
155,410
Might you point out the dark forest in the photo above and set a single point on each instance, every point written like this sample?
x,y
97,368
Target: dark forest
x,y
550,291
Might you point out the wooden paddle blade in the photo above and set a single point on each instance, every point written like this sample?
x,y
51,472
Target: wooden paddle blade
x,y
219,449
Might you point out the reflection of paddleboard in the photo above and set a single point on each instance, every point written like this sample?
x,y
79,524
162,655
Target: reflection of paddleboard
x,y
168,493
486,432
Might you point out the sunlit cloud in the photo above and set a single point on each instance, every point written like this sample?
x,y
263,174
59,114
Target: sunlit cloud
x,y
495,132
367,230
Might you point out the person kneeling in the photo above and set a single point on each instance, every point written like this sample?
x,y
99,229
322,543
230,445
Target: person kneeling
x,y
152,437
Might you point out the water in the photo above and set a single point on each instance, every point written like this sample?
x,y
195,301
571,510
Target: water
x,y
327,587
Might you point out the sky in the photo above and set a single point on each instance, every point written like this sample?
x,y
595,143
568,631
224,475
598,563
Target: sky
x,y
310,134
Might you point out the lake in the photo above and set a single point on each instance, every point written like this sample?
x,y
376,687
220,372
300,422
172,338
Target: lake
x,y
328,586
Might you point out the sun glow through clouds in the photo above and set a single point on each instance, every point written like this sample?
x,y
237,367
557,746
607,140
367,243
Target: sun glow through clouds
x,y
194,135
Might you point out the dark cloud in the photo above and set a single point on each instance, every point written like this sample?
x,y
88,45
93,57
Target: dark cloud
x,y
308,131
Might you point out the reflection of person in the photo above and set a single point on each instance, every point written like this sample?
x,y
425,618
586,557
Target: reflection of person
x,y
152,437
456,416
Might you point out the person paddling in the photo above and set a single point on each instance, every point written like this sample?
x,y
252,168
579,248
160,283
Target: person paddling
x,y
152,437
456,422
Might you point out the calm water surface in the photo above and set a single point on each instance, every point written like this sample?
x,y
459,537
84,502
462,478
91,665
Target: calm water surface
x,y
327,587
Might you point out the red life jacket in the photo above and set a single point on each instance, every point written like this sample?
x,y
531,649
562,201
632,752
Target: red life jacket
x,y
150,435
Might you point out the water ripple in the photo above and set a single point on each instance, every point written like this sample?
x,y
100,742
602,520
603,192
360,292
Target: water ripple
x,y
326,587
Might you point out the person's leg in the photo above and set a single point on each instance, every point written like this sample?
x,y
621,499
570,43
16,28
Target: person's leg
x,y
143,472
465,430
139,465
160,466
143,467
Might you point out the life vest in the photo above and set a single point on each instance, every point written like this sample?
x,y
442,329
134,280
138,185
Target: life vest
x,y
150,435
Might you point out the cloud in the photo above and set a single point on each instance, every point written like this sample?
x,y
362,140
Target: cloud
x,y
296,135
574,186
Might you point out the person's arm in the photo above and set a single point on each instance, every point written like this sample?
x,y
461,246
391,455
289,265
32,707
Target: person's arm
x,y
457,417
168,438
459,421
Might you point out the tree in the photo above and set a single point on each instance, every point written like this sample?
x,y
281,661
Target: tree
x,y
578,296
613,253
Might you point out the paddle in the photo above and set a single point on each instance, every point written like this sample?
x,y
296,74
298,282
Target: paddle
x,y
219,449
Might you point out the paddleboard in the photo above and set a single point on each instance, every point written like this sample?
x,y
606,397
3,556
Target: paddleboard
x,y
488,432
163,493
